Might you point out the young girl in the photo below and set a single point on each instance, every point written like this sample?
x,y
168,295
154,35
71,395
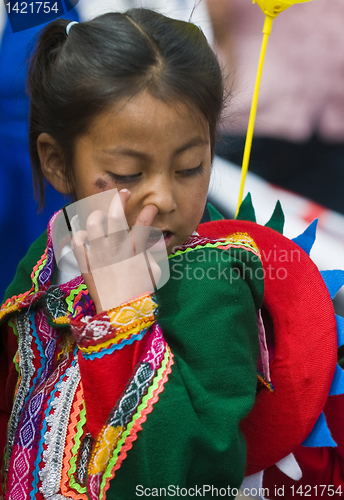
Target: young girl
x,y
144,398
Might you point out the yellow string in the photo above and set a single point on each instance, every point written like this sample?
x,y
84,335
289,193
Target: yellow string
x,y
250,128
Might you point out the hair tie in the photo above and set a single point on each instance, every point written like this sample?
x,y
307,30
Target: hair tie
x,y
68,27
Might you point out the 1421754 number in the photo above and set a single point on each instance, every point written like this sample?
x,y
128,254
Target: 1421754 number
x,y
32,7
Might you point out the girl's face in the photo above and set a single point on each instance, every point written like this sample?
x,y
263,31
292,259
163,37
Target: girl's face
x,y
159,152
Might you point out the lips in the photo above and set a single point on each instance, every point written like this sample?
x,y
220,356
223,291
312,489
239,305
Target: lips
x,y
155,240
167,237
155,234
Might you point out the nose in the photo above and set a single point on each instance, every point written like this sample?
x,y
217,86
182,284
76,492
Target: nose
x,y
161,193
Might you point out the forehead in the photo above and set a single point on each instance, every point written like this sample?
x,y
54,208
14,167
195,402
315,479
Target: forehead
x,y
146,121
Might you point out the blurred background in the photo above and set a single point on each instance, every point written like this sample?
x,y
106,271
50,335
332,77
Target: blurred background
x,y
298,149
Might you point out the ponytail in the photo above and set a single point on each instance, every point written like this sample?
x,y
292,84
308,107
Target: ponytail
x,y
43,53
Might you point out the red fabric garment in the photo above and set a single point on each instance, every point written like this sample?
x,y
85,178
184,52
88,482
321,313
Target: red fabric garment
x,y
304,327
9,378
320,466
95,379
9,341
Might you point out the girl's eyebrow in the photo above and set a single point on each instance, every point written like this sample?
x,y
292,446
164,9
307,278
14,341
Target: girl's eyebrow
x,y
195,142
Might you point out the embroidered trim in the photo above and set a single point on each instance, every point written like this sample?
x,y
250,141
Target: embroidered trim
x,y
12,301
236,240
75,295
118,339
114,347
57,422
17,303
22,327
114,326
197,241
38,268
15,362
84,457
48,390
27,432
125,315
62,320
74,431
268,385
83,306
76,450
146,407
41,352
206,244
21,464
242,240
55,302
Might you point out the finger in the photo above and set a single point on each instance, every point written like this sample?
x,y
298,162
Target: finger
x,y
142,227
146,216
95,228
117,222
154,268
79,238
79,241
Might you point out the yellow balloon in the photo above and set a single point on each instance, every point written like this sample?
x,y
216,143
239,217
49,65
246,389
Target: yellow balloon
x,y
272,8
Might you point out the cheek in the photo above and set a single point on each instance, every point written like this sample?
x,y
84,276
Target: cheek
x,y
193,208
198,195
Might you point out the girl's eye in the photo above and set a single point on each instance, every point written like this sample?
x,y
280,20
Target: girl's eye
x,y
124,179
192,171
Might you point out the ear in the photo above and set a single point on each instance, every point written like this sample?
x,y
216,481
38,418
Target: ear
x,y
52,163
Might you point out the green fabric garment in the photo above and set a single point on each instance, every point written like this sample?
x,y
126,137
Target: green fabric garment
x,y
192,436
207,311
22,279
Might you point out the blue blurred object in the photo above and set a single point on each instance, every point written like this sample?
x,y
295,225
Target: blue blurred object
x,y
20,224
23,16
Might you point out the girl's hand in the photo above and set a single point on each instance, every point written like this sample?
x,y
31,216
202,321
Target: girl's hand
x,y
114,263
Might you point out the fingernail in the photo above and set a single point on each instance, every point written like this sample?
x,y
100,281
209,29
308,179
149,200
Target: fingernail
x,y
124,191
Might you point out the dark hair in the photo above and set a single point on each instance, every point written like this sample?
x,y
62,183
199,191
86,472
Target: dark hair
x,y
72,78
